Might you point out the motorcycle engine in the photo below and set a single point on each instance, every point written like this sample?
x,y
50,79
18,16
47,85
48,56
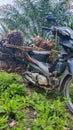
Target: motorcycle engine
x,y
36,78
40,80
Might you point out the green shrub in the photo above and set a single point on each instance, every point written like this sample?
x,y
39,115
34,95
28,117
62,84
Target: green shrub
x,y
31,110
3,122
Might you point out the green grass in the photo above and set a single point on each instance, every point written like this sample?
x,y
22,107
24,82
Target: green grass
x,y
30,110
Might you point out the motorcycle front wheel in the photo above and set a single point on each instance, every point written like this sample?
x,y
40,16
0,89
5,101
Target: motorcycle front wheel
x,y
68,92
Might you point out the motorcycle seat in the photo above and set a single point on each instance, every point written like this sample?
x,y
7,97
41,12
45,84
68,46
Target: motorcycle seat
x,y
44,53
40,52
40,55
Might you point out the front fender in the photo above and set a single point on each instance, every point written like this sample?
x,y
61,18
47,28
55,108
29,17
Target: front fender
x,y
70,66
68,73
65,76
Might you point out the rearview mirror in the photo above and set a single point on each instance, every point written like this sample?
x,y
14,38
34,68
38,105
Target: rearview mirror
x,y
51,18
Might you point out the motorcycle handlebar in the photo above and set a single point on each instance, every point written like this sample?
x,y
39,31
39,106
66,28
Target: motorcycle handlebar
x,y
46,28
1,42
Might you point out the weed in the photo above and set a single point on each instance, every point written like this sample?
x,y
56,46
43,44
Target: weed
x,y
16,103
3,122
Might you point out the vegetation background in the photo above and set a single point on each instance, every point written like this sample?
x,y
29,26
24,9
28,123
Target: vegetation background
x,y
30,15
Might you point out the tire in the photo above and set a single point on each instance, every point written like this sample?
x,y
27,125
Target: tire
x,y
68,93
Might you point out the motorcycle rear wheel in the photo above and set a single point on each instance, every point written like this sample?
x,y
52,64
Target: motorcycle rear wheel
x,y
68,93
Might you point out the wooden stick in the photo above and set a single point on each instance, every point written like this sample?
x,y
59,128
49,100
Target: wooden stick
x,y
24,48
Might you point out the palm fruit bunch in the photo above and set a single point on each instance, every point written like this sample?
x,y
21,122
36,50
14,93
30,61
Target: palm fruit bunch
x,y
8,64
45,44
15,37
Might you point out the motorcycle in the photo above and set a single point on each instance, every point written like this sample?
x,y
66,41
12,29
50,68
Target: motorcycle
x,y
57,75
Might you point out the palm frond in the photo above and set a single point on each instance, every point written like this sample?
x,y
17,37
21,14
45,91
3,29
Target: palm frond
x,y
29,15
